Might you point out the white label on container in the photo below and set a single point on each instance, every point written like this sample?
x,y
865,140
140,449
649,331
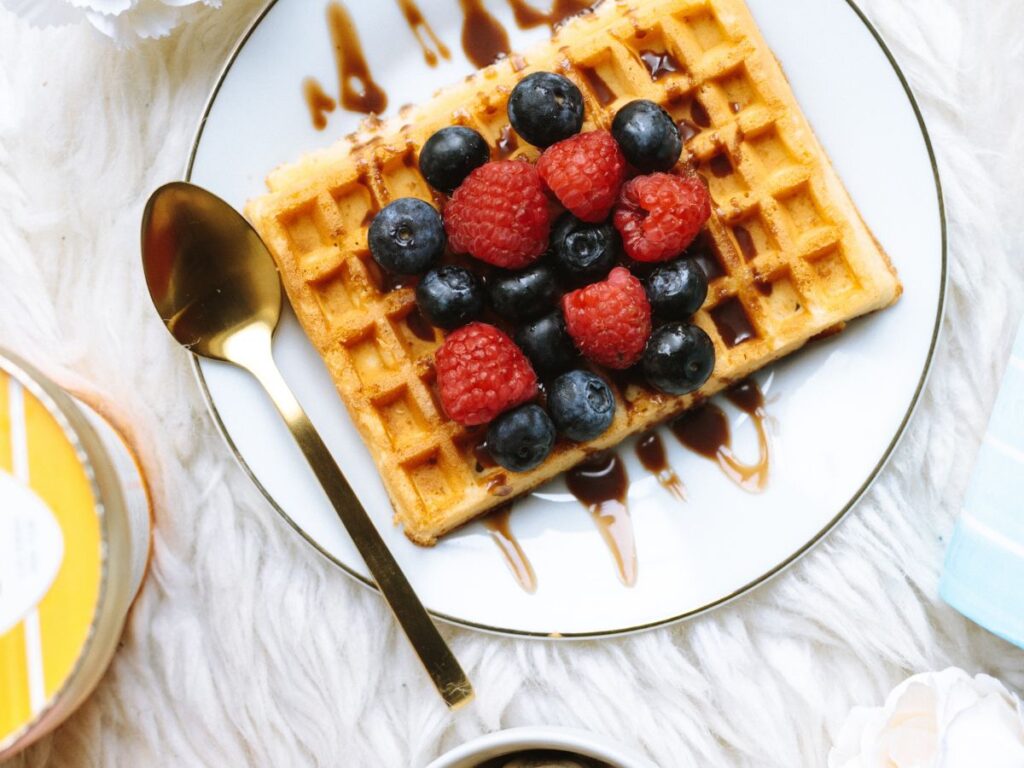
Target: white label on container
x,y
31,550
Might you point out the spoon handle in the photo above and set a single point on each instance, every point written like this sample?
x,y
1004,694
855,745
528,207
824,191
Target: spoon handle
x,y
437,657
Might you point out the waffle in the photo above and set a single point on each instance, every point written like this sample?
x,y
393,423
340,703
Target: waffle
x,y
787,254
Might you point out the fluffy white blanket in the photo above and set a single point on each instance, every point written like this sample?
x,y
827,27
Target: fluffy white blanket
x,y
248,649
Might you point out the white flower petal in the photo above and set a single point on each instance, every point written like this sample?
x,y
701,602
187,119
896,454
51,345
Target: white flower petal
x,y
989,734
106,7
43,13
845,753
124,21
944,719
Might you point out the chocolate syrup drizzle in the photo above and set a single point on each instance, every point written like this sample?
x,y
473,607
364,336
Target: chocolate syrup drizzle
x,y
528,17
422,30
651,451
484,39
601,484
705,430
498,524
318,102
352,66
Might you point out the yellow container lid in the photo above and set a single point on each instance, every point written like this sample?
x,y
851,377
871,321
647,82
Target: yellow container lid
x,y
65,554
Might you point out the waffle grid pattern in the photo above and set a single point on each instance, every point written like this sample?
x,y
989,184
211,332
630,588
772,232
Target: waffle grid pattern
x,y
786,251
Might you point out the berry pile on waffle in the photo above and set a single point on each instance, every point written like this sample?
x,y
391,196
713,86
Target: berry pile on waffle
x,y
567,248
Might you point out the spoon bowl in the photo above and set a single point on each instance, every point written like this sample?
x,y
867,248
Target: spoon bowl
x,y
217,290
208,272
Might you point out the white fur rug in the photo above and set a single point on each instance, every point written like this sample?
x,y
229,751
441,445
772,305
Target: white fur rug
x,y
248,649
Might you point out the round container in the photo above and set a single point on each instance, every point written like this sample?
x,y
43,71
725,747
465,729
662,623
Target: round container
x,y
504,746
74,543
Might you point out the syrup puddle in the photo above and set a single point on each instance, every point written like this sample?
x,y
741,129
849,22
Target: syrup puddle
x,y
705,430
651,451
601,485
498,524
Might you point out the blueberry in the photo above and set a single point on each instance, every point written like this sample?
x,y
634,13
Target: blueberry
x,y
583,253
648,136
524,295
676,290
450,154
407,236
545,108
679,358
582,405
520,440
548,345
450,296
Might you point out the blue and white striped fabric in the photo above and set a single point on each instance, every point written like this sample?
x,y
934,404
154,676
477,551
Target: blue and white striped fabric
x,y
984,571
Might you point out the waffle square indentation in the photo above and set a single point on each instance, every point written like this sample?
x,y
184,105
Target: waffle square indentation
x,y
753,237
428,476
802,209
371,361
739,90
302,229
832,269
401,178
732,321
779,296
707,32
402,419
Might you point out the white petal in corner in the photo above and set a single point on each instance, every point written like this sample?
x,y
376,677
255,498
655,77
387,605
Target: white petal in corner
x,y
108,7
936,720
44,13
124,21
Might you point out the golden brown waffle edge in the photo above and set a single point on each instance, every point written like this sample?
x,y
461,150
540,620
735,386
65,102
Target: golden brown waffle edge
x,y
788,254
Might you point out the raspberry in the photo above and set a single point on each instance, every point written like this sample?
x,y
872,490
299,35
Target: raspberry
x,y
610,321
585,173
499,215
659,215
481,373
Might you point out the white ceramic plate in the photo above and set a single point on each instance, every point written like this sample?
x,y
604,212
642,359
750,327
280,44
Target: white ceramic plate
x,y
837,408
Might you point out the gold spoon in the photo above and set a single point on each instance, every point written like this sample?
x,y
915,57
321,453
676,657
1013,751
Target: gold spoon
x,y
216,287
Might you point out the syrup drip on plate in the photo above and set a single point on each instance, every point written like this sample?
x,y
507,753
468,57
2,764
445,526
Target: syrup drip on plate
x,y
527,16
498,523
421,29
484,39
318,102
601,485
353,70
651,451
705,430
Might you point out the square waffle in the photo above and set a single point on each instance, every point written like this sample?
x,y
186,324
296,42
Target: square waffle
x,y
787,254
